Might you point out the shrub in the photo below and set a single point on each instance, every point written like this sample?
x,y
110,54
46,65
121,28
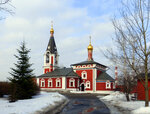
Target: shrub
x,y
4,88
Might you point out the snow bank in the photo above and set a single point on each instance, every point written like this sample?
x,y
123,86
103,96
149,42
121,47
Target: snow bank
x,y
114,96
118,99
30,105
142,110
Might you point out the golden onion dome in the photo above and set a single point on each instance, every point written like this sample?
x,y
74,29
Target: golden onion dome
x,y
90,47
52,30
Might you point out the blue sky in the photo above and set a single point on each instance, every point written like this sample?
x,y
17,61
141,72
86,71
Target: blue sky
x,y
74,21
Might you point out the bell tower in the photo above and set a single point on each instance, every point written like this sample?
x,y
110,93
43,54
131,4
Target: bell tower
x,y
51,54
90,51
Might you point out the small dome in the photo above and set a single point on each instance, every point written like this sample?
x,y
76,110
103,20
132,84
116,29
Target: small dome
x,y
52,30
90,47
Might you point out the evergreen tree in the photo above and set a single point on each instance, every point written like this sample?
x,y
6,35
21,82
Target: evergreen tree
x,y
22,80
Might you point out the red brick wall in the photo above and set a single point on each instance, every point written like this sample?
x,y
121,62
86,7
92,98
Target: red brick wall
x,y
53,81
76,82
89,77
102,86
141,90
98,72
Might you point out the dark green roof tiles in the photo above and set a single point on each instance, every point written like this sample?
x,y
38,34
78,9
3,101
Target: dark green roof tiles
x,y
104,76
60,72
52,46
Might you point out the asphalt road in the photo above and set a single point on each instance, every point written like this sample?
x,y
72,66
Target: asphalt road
x,y
84,104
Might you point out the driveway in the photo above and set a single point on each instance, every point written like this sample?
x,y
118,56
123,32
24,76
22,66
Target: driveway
x,y
84,104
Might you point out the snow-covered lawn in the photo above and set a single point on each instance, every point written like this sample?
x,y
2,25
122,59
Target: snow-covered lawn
x,y
30,106
119,100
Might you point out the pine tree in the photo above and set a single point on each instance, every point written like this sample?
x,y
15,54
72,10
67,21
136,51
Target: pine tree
x,y
23,85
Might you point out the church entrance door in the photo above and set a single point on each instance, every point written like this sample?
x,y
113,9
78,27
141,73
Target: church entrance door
x,y
82,87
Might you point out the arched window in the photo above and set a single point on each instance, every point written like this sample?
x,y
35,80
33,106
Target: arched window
x,y
71,82
58,83
84,75
50,82
47,57
108,84
88,84
42,82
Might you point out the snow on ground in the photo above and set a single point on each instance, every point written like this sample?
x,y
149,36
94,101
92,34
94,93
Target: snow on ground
x,y
118,99
29,106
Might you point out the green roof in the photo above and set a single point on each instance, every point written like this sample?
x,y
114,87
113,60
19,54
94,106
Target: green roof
x,y
67,72
104,76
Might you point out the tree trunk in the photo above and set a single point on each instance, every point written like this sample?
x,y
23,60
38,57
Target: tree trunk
x,y
127,97
146,84
146,97
146,92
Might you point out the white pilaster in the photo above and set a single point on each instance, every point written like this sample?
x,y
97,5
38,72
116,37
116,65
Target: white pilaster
x,y
94,79
63,82
37,81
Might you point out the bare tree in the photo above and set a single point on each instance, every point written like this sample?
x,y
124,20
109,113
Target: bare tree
x,y
132,38
128,85
6,7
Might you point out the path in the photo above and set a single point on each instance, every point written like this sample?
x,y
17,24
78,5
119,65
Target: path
x,y
84,104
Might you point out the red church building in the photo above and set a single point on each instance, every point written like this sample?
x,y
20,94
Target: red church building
x,y
87,76
140,90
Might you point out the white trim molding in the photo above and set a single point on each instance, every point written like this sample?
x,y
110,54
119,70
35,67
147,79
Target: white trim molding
x,y
88,85
84,75
42,82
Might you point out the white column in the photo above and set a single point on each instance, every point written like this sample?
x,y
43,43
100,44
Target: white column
x,y
37,81
63,82
94,79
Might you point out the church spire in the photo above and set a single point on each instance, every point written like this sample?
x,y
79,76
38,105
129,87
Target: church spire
x,y
90,51
51,54
51,45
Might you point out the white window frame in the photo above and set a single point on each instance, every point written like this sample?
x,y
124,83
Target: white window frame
x,y
84,73
72,80
42,81
50,81
58,80
88,83
108,85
